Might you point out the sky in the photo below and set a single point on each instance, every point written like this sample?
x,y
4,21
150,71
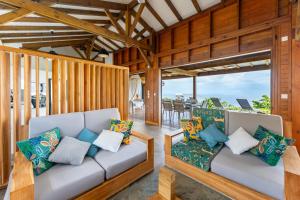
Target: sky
x,y
249,85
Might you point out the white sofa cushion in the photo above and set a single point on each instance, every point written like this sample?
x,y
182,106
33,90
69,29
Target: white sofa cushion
x,y
69,124
127,157
67,181
241,141
248,170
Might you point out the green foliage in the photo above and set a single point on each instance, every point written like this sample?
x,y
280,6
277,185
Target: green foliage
x,y
225,104
264,104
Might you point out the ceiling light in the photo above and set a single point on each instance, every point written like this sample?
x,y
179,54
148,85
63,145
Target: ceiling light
x,y
103,53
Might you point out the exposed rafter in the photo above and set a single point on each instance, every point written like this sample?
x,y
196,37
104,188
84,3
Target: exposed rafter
x,y
104,44
41,39
114,43
45,20
145,57
174,10
114,22
53,44
156,15
137,18
34,28
140,34
79,52
93,4
127,21
42,34
196,5
72,21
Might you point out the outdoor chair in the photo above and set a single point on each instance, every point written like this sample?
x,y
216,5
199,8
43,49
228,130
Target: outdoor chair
x,y
217,103
179,108
245,105
168,108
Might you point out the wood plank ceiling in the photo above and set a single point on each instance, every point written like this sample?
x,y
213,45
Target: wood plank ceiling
x,y
111,25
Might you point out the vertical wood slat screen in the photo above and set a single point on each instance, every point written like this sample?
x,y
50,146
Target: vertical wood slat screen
x,y
77,85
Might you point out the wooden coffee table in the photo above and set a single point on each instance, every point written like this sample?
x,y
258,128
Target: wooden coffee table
x,y
166,186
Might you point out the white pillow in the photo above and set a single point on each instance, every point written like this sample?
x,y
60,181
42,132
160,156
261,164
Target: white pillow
x,y
241,141
109,140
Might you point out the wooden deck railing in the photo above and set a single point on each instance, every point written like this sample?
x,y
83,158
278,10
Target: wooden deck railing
x,y
71,85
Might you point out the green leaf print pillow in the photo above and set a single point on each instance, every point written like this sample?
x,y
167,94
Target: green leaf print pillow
x,y
271,146
38,149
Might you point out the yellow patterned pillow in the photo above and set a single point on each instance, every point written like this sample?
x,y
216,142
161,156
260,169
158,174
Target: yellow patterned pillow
x,y
122,126
191,128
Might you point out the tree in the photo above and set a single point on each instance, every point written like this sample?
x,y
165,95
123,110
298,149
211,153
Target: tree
x,y
264,104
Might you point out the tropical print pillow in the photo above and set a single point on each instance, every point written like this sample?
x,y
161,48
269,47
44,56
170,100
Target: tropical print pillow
x,y
211,116
122,126
191,128
271,146
38,149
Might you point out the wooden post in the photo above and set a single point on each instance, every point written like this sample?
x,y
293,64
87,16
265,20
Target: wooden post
x,y
194,87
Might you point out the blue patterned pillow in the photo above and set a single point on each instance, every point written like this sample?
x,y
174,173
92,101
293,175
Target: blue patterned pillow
x,y
87,135
212,135
38,149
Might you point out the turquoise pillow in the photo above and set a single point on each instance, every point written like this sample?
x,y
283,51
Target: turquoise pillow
x,y
38,149
87,135
271,146
212,135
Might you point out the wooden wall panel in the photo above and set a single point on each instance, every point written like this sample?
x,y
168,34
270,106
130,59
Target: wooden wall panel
x,y
199,54
165,41
87,87
55,87
93,87
108,88
37,86
283,6
5,120
225,48
180,58
63,87
225,20
16,98
200,28
165,61
103,87
98,87
77,99
296,92
256,41
257,11
181,36
71,86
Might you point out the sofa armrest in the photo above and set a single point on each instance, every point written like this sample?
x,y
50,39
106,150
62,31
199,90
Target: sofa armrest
x,y
168,140
150,145
291,161
22,180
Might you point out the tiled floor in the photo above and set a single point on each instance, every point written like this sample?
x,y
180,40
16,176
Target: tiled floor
x,y
186,188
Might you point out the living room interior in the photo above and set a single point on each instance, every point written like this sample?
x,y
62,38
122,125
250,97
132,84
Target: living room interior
x,y
149,99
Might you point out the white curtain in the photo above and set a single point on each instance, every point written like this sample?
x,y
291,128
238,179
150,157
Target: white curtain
x,y
135,87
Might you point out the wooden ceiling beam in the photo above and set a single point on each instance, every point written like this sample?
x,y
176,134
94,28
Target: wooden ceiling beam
x,y
235,70
140,34
128,21
41,39
53,44
145,57
174,10
79,52
137,18
196,5
46,20
17,14
84,12
35,28
156,15
104,44
93,4
72,21
41,34
114,22
114,43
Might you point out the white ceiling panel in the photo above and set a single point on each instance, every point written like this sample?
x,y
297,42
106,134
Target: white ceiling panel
x,y
150,19
184,7
207,3
164,11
